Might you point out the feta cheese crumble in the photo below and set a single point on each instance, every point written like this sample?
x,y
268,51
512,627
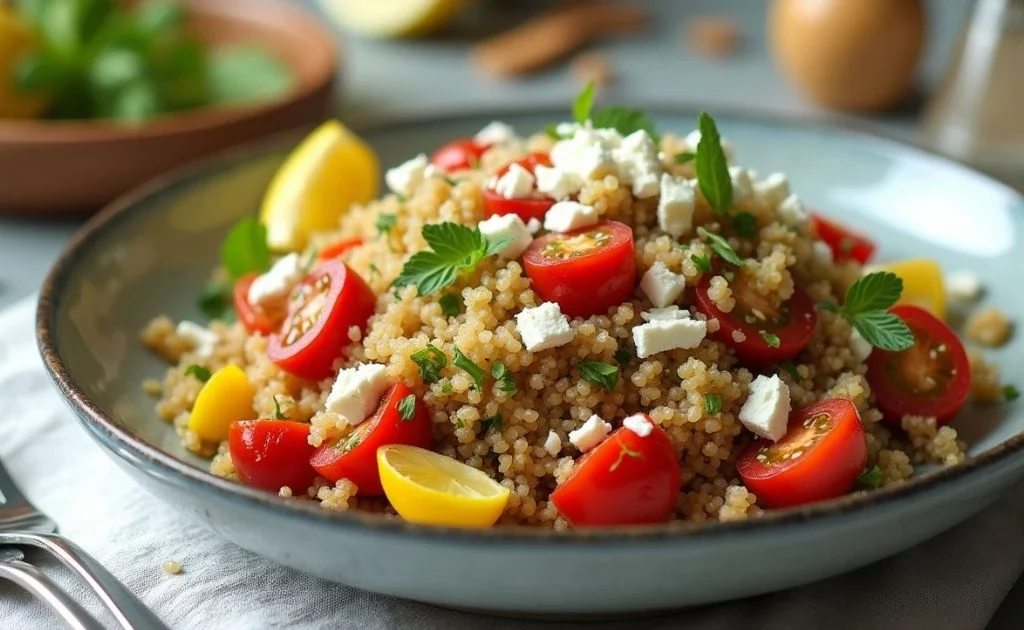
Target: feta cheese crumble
x,y
507,226
860,346
766,410
516,183
742,186
567,216
661,335
357,391
543,327
675,207
587,154
639,424
963,286
593,431
661,286
203,340
553,444
495,132
772,190
637,160
407,176
278,282
822,253
667,313
534,225
792,212
556,183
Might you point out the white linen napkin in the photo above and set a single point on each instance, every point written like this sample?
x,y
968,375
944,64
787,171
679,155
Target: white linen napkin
x,y
956,580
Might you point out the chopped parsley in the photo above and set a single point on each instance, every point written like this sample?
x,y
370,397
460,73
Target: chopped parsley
x,y
871,477
199,372
712,168
373,270
386,221
277,410
624,451
466,364
506,384
449,304
454,248
431,361
493,422
702,262
745,224
446,387
602,374
720,246
1010,393
684,157
866,307
407,408
771,339
712,403
790,369
623,356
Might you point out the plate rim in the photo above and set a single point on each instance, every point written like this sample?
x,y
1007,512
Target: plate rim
x,y
150,459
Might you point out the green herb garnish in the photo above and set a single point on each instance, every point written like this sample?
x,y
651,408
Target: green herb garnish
x,y
446,387
551,129
455,248
745,224
506,384
1010,393
277,410
720,246
431,361
449,304
712,167
201,373
599,373
245,74
386,221
702,262
245,249
407,407
866,308
871,477
466,364
624,451
771,339
684,158
373,270
791,370
215,302
623,356
625,120
493,422
712,403
584,103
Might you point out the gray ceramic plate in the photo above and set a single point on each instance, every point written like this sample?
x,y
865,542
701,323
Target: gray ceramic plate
x,y
151,253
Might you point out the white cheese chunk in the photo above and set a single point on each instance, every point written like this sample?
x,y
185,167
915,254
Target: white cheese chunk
x,y
860,346
675,208
822,253
772,190
766,410
692,139
792,212
553,444
203,340
567,216
639,424
278,282
661,286
357,391
556,183
637,160
667,313
593,431
430,171
661,335
543,327
567,129
406,177
963,286
516,183
587,154
534,225
742,186
495,132
507,226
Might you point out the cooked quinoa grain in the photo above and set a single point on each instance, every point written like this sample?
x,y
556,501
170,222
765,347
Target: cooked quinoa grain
x,y
988,327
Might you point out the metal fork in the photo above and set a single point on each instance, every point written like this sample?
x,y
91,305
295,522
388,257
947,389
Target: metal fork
x,y
32,580
23,525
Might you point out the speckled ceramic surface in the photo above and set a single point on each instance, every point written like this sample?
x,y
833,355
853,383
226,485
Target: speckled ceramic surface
x,y
151,254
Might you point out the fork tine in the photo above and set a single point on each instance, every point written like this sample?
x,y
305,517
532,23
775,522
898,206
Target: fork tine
x,y
16,513
9,493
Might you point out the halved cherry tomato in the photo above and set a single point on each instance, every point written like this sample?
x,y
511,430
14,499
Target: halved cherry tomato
x,y
533,207
325,305
255,318
844,242
270,454
819,458
354,456
625,480
337,249
587,271
769,334
458,155
931,378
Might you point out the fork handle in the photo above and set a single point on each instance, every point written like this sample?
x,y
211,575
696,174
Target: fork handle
x,y
32,580
130,613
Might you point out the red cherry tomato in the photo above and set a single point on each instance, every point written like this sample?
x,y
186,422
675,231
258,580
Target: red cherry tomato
x,y
255,318
844,243
533,207
931,378
354,457
587,271
819,458
329,301
270,454
458,155
337,249
625,480
769,334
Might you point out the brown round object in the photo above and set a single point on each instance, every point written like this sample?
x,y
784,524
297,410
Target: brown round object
x,y
848,54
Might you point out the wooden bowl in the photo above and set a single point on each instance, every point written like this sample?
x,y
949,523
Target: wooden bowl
x,y
78,166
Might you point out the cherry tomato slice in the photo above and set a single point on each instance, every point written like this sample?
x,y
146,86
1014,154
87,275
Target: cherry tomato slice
x,y
254,318
533,207
458,155
354,457
769,335
844,243
270,454
625,480
587,271
337,249
325,305
819,458
931,378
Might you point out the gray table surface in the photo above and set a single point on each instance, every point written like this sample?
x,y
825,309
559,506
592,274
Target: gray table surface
x,y
416,77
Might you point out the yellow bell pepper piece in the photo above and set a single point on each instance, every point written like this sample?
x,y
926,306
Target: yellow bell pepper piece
x,y
226,397
922,284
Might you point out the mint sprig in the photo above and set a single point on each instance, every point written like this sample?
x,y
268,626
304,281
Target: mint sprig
x,y
720,246
866,307
602,374
583,103
625,120
245,248
455,248
712,167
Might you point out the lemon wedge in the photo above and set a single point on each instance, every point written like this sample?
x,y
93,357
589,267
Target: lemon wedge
x,y
328,172
393,18
15,40
923,284
430,488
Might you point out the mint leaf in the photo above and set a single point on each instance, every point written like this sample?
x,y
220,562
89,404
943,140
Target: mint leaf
x,y
625,120
583,104
201,373
493,422
245,249
1010,393
466,364
876,291
712,403
449,303
600,373
720,246
246,74
623,356
684,157
871,477
712,167
701,262
407,408
455,247
745,224
385,221
883,330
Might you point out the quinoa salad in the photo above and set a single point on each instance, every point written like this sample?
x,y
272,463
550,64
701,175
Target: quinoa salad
x,y
599,324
